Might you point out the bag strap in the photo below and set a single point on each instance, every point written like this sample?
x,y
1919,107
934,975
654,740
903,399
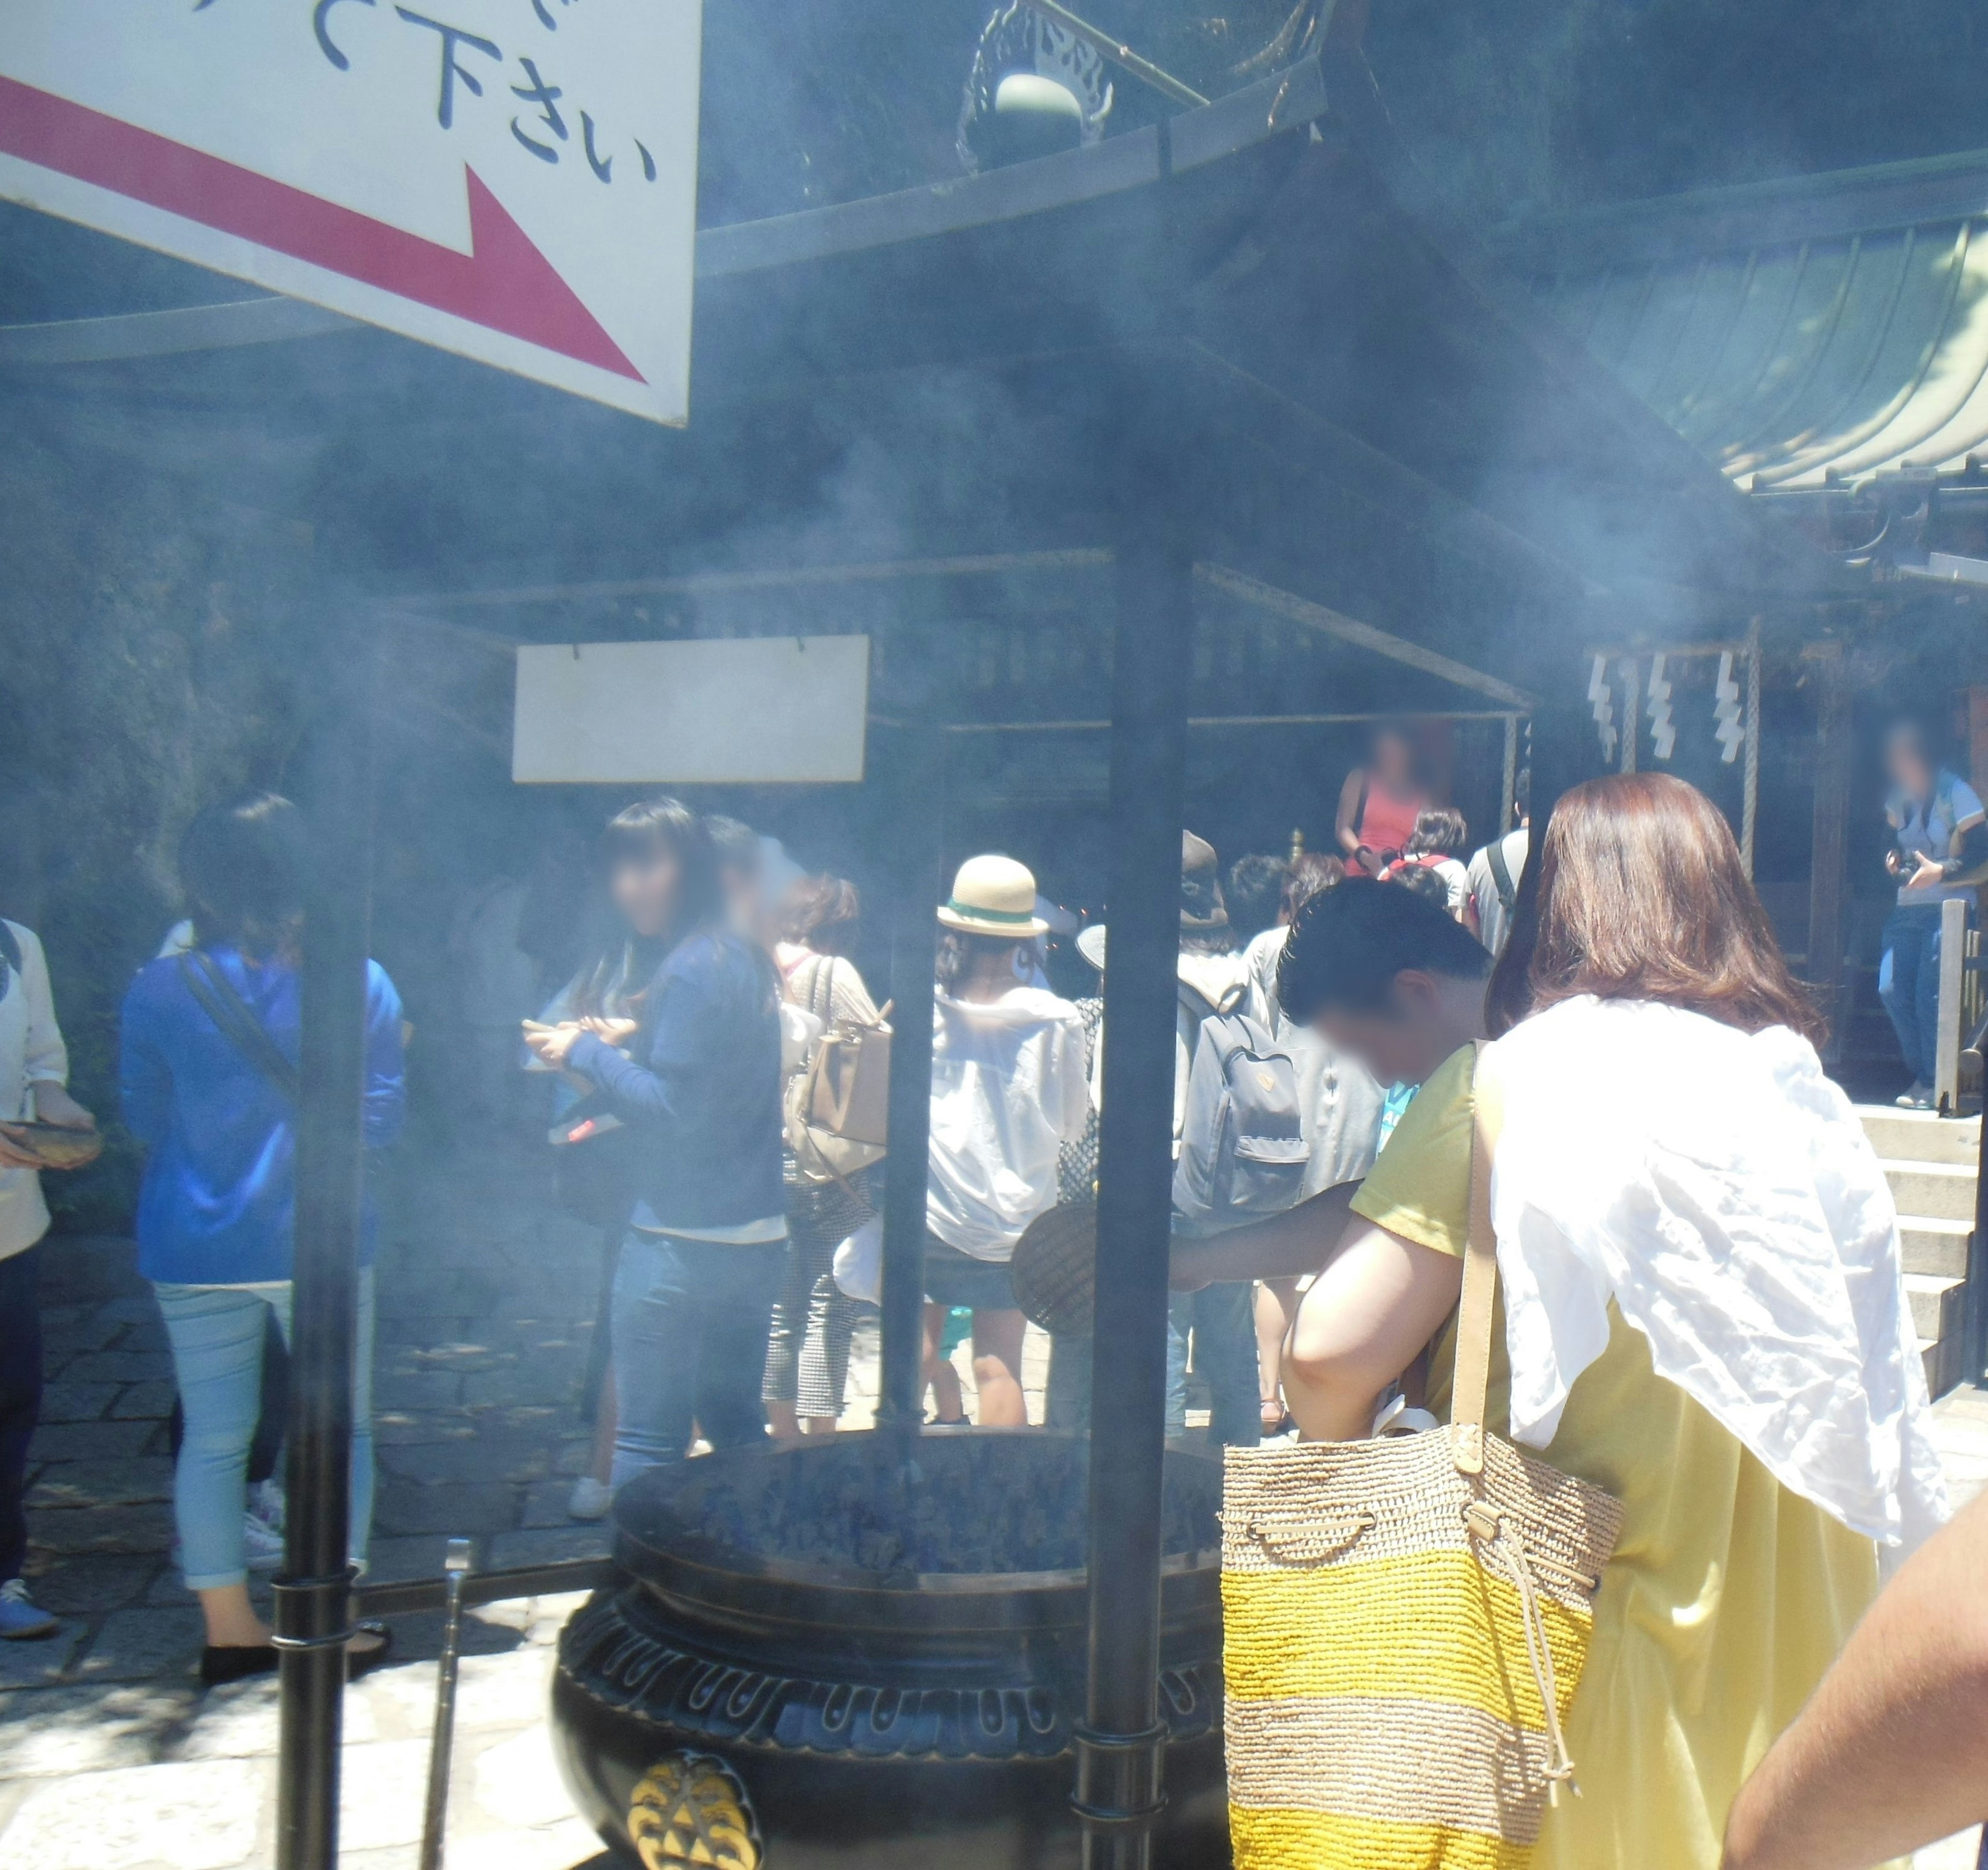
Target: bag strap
x,y
237,1021
1480,1284
1501,875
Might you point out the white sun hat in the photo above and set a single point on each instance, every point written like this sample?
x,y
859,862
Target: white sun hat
x,y
994,896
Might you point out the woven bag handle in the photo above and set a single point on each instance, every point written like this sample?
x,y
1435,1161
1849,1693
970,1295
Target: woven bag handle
x,y
1480,1284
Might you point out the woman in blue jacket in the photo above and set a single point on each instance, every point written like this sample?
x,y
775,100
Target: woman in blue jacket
x,y
207,1072
699,1082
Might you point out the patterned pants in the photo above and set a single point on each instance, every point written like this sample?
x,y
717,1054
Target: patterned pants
x,y
807,1351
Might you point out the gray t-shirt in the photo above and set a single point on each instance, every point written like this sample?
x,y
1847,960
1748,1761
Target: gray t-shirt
x,y
1494,923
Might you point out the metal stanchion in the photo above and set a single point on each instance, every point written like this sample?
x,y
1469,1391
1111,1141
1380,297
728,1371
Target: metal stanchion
x,y
914,771
442,1746
1121,1745
313,1593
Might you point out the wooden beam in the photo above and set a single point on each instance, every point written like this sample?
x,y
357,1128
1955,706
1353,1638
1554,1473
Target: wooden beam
x,y
1331,623
711,584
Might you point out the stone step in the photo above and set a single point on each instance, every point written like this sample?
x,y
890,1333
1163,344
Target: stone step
x,y
1935,1246
1937,1191
1922,1136
1936,1304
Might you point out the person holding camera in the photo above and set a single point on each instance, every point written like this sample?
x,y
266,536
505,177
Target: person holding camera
x,y
1939,846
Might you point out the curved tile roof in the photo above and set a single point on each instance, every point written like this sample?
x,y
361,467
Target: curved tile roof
x,y
1800,334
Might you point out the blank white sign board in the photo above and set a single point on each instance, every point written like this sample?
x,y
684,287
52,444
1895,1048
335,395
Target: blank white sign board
x,y
753,710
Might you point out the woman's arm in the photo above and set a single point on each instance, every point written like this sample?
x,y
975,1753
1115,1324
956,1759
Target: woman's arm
x,y
144,1079
1891,1751
1349,810
1365,1320
386,1062
1300,1241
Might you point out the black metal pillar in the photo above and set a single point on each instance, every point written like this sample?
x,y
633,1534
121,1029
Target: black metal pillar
x,y
1121,1749
914,777
313,1593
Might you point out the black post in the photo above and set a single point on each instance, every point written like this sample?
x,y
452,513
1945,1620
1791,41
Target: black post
x,y
1121,1749
312,1596
914,778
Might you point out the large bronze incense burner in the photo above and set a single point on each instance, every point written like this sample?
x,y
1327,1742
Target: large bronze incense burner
x,y
871,1652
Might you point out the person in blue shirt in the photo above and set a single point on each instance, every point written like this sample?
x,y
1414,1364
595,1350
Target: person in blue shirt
x,y
697,1075
207,1072
1938,839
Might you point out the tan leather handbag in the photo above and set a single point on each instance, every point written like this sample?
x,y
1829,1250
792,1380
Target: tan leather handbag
x,y
837,1104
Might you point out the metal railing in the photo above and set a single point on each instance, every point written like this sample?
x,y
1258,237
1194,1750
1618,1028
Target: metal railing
x,y
1961,1015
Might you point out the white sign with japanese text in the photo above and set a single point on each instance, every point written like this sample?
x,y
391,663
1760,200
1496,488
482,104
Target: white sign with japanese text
x,y
512,179
738,710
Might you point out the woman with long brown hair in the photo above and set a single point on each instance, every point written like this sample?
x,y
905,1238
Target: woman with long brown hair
x,y
1702,1305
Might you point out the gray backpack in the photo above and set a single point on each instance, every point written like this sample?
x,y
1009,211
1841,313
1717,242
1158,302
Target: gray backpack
x,y
1243,1150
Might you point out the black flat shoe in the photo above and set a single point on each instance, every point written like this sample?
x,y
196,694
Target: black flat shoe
x,y
364,1662
236,1663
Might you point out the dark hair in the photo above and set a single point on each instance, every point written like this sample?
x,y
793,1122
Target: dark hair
x,y
822,912
625,962
1420,879
958,950
737,844
1642,896
1348,945
1440,831
1256,889
1522,792
241,866
1310,873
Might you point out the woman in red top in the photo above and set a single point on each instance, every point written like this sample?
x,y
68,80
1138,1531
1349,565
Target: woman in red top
x,y
1379,803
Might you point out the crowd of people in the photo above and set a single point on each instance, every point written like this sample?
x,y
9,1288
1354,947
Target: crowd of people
x,y
1702,1305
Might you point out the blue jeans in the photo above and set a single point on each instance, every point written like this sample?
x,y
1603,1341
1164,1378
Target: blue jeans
x,y
1909,984
216,1333
690,1323
1223,1320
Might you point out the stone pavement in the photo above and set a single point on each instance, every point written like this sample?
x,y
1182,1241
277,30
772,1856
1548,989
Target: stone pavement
x,y
150,1776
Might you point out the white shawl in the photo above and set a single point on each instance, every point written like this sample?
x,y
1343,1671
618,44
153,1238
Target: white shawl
x,y
1720,1189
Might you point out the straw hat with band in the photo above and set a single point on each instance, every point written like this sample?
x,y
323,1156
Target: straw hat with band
x,y
994,896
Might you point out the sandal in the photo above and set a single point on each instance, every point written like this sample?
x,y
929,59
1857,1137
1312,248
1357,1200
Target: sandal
x,y
364,1662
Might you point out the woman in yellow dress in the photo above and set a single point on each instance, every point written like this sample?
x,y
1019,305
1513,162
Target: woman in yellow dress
x,y
1701,1266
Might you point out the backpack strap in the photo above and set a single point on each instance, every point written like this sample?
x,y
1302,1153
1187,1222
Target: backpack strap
x,y
10,956
1501,875
236,1021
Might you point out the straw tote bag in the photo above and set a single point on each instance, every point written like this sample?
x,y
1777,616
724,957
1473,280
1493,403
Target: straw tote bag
x,y
1405,1622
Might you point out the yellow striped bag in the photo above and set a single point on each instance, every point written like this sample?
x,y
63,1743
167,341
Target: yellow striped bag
x,y
1405,1624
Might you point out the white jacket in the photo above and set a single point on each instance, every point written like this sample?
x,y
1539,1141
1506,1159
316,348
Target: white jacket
x,y
31,1052
1008,1092
1719,1189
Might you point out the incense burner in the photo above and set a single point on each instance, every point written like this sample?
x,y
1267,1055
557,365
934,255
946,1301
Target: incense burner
x,y
871,1652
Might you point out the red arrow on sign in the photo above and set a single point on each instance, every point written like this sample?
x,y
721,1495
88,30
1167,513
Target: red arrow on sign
x,y
503,282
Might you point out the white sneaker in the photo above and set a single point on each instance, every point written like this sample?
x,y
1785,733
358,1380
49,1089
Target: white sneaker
x,y
589,1499
22,1619
262,1527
